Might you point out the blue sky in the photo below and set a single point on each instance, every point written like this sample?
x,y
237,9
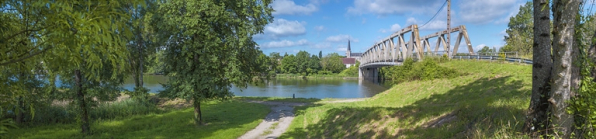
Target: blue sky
x,y
326,25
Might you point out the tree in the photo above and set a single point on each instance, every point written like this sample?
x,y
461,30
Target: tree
x,y
275,61
302,59
485,50
564,13
564,80
80,41
537,116
320,54
289,64
332,62
519,32
141,45
313,64
211,47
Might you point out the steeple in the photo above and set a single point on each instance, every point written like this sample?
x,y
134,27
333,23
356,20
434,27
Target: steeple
x,y
348,52
348,44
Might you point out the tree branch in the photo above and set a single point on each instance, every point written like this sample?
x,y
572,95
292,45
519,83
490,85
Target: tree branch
x,y
25,57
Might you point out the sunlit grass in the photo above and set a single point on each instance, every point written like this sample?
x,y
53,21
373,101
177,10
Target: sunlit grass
x,y
229,119
488,102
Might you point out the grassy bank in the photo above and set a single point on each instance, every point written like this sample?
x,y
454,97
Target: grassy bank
x,y
336,76
487,102
228,119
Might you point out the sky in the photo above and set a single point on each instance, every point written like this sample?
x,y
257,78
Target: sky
x,y
326,25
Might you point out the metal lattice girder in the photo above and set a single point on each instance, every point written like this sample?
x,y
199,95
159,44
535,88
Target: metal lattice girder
x,y
398,49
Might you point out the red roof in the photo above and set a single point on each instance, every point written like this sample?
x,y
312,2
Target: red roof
x,y
348,61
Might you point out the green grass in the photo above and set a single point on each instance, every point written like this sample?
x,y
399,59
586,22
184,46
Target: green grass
x,y
228,119
281,99
334,75
488,102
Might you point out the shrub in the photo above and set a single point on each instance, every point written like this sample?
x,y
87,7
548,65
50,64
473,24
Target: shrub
x,y
428,69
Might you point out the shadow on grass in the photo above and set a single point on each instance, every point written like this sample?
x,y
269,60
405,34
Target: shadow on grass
x,y
228,119
482,108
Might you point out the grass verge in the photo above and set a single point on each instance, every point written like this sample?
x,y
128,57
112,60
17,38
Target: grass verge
x,y
488,102
228,119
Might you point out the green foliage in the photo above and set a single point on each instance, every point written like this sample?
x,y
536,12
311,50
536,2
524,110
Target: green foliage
x,y
425,70
351,71
289,64
583,105
211,46
156,63
5,125
486,50
520,32
332,62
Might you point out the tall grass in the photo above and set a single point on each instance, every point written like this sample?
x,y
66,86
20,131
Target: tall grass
x,y
52,114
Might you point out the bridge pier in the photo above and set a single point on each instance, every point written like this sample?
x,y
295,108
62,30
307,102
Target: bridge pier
x,y
369,74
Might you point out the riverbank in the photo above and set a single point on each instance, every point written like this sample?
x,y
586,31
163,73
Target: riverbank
x,y
488,102
316,76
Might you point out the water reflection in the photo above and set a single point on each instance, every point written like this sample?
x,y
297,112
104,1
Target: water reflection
x,y
286,87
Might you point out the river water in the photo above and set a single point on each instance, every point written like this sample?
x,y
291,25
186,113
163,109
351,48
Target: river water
x,y
286,87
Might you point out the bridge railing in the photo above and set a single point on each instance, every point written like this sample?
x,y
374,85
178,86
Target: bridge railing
x,y
495,58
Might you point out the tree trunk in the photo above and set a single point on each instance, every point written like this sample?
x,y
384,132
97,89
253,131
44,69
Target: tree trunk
x,y
537,118
20,113
85,129
198,116
140,47
564,13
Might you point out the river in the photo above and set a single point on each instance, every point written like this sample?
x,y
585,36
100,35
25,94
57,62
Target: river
x,y
286,87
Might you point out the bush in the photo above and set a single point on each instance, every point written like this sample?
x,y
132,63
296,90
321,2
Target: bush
x,y
428,69
351,71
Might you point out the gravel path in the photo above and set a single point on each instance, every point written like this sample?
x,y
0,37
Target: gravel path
x,y
275,123
279,119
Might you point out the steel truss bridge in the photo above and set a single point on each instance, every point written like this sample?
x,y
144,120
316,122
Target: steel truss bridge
x,y
394,49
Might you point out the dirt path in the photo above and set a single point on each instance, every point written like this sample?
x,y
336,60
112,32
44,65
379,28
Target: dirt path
x,y
275,123
279,119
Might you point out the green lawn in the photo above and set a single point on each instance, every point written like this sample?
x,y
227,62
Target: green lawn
x,y
488,102
225,120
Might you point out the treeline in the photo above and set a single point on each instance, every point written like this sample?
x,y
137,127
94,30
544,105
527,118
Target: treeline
x,y
520,32
303,63
92,46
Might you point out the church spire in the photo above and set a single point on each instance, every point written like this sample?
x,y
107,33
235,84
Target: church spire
x,y
348,44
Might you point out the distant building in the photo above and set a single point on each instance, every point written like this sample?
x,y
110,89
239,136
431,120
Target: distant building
x,y
351,58
348,62
349,53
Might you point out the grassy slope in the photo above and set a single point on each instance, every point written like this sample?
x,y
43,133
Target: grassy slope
x,y
488,102
228,119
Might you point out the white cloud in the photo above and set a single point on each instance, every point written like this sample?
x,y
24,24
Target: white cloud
x,y
341,38
284,43
288,7
283,28
399,7
320,28
411,21
342,49
382,30
395,27
322,45
432,25
486,11
480,46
